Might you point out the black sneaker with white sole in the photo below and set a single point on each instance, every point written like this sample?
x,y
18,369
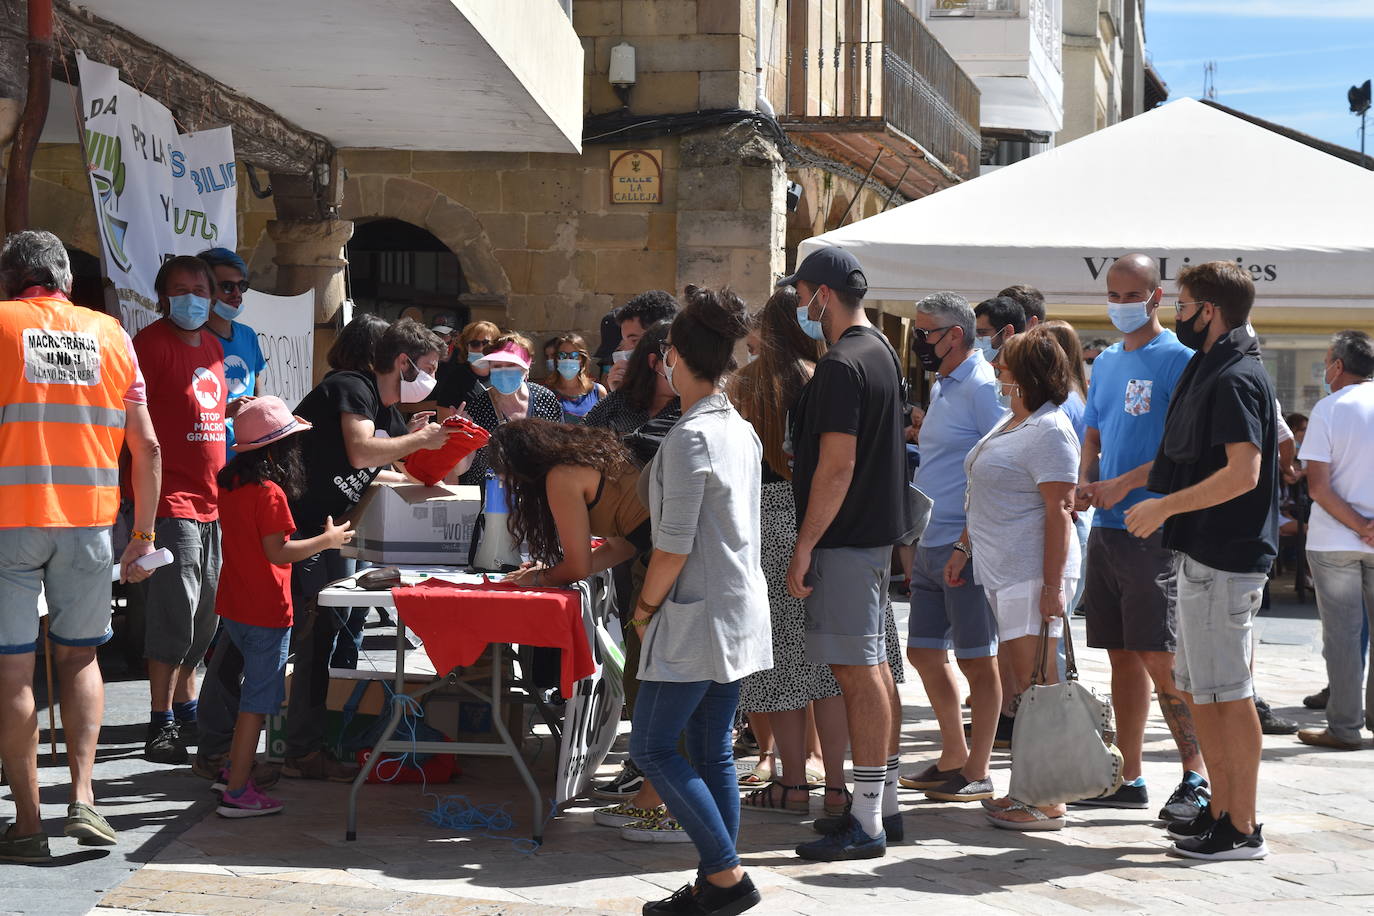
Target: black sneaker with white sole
x,y
1192,830
626,783
1130,795
1224,843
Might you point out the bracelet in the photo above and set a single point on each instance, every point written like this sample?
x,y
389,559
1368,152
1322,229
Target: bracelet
x,y
142,536
641,623
1051,588
650,609
963,548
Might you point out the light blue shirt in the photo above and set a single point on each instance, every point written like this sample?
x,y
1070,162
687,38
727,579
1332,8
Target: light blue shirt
x,y
243,363
1127,400
963,409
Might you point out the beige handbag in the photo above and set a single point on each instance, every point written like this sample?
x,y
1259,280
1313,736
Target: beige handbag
x,y
1061,744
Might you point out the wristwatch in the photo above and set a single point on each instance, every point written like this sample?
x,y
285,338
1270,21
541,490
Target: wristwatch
x,y
964,548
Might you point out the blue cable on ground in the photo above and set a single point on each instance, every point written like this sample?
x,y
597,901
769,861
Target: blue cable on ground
x,y
455,812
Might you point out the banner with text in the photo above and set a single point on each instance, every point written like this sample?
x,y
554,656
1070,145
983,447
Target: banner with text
x,y
158,193
286,333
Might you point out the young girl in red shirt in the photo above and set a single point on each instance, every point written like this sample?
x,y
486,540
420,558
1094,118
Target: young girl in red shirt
x,y
254,596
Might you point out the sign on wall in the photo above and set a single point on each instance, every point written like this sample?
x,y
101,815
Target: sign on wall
x,y
158,193
636,176
286,333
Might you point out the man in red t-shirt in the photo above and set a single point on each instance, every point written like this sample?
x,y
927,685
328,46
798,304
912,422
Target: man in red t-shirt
x,y
183,364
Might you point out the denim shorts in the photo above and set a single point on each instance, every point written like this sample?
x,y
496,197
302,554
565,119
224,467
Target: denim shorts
x,y
264,665
71,568
1216,610
948,618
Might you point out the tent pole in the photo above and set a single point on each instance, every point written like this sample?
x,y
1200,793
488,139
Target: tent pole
x,y
860,189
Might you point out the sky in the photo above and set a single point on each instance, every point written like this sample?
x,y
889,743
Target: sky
x,y
1287,61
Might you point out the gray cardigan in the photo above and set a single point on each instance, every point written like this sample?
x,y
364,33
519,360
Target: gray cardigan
x,y
704,502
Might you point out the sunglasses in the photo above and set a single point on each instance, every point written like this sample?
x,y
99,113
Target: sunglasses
x,y
479,344
576,354
923,335
229,287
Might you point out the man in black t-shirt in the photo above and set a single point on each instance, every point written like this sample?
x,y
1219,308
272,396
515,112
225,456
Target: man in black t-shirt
x,y
849,480
1218,466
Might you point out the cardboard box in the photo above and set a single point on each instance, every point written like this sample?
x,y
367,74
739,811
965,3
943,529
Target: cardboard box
x,y
408,523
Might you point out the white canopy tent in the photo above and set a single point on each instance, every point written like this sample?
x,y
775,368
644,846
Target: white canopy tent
x,y
1184,183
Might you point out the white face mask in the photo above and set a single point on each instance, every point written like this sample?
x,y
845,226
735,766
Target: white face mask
x,y
418,389
984,345
1130,316
668,375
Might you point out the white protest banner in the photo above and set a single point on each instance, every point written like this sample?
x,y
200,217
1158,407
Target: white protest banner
x,y
286,332
158,193
592,713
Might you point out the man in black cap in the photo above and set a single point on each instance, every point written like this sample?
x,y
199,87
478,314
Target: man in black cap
x,y
849,481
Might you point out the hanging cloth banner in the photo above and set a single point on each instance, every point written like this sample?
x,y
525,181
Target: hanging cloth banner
x,y
158,193
285,326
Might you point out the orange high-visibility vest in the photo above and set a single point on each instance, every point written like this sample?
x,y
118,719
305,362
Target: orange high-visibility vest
x,y
64,371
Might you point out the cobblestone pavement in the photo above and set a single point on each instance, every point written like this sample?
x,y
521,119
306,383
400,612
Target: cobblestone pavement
x,y
1318,808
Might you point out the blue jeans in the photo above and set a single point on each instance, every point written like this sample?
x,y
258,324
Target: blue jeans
x,y
704,798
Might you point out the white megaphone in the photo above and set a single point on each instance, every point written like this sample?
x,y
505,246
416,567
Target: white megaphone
x,y
497,550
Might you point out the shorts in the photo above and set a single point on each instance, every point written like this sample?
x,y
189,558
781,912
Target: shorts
x,y
179,599
1216,610
264,652
70,567
948,618
1124,592
844,612
1017,609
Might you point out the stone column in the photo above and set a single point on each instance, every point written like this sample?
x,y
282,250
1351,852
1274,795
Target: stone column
x,y
310,254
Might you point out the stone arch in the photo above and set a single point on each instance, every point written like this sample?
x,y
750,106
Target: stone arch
x,y
380,196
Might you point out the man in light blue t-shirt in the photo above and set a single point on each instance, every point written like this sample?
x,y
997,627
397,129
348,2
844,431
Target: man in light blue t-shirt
x,y
1128,614
243,360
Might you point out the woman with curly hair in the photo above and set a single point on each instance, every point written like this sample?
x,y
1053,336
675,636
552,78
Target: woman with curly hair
x,y
568,484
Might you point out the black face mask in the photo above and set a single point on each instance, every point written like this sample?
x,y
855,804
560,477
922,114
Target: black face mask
x,y
1188,334
925,352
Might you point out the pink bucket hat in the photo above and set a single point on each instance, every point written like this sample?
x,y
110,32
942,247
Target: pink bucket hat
x,y
510,353
263,421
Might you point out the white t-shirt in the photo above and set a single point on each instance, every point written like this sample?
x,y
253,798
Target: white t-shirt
x,y
1340,432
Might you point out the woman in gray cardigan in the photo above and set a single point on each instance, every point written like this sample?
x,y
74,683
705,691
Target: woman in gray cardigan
x,y
703,610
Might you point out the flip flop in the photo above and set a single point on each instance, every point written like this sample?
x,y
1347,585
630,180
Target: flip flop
x,y
1039,819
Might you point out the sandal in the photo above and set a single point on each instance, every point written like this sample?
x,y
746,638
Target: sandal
x,y
766,799
758,776
1039,819
834,810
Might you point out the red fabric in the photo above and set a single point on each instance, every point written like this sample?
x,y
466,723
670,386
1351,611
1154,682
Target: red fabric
x,y
456,622
251,589
186,394
431,465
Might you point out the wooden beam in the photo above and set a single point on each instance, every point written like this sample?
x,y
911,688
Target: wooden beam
x,y
261,136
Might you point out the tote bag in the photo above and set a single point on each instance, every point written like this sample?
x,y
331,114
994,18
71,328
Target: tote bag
x,y
1060,746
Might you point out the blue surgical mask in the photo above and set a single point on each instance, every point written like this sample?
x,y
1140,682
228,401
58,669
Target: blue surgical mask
x,y
227,311
549,365
984,345
810,327
1128,316
568,368
507,381
189,311
476,356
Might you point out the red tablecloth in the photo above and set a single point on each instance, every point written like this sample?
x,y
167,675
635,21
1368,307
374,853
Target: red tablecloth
x,y
456,622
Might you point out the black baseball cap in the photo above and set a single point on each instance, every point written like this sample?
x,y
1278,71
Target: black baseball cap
x,y
832,267
610,337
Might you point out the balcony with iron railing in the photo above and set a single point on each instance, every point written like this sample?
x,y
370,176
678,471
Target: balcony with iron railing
x,y
866,80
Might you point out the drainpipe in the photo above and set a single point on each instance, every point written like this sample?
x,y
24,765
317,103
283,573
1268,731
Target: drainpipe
x,y
761,99
31,121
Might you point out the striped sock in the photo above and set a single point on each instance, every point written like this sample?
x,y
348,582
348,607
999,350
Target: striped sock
x,y
890,786
868,798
